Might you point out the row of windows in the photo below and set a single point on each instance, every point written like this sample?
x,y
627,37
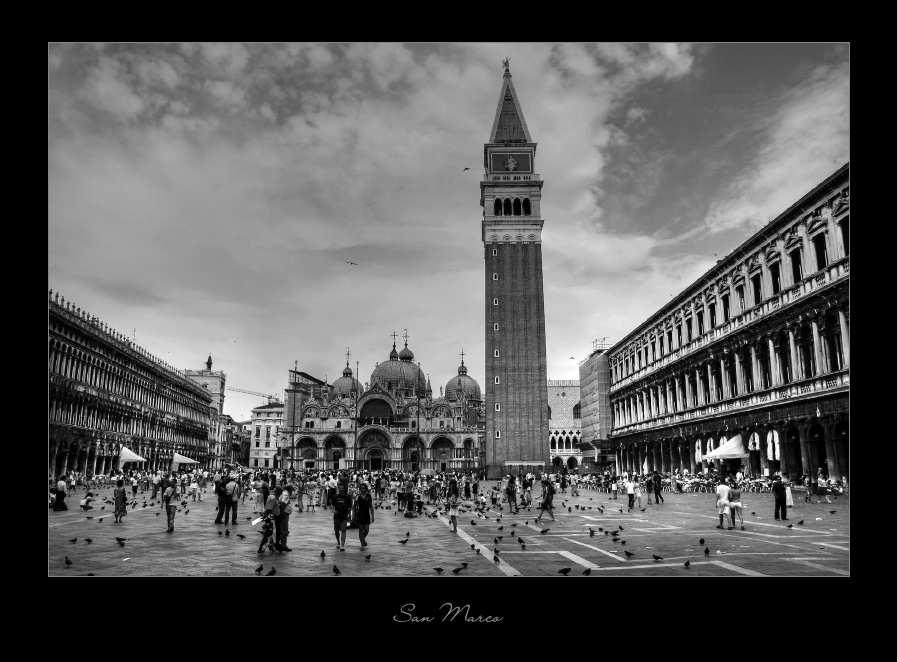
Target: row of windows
x,y
507,207
658,348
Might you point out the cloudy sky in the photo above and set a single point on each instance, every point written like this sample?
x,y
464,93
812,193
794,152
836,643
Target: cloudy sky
x,y
209,195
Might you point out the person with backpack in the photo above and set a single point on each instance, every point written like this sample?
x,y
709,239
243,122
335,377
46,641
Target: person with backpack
x,y
169,498
221,493
547,497
233,490
341,505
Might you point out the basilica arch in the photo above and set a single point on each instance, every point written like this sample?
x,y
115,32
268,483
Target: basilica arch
x,y
442,452
372,451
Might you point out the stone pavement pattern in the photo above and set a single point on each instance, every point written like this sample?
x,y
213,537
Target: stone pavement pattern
x,y
819,547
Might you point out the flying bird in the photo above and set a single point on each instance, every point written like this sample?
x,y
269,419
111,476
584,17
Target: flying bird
x,y
564,571
353,263
465,169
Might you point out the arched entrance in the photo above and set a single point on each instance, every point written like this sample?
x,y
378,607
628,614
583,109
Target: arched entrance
x,y
572,463
791,451
411,454
334,451
773,451
374,459
376,412
842,449
754,453
373,449
307,450
442,451
816,447
556,461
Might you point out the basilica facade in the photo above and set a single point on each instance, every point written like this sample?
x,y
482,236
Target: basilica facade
x,y
757,350
392,422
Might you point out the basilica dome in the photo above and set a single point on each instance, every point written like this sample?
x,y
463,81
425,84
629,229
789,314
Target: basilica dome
x,y
463,382
347,384
402,375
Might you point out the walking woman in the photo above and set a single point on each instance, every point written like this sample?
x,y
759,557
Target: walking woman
x,y
547,496
364,514
120,496
454,498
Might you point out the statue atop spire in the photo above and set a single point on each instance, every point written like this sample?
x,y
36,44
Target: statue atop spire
x,y
506,63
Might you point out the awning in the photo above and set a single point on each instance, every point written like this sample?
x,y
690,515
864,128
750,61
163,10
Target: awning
x,y
183,459
127,456
730,450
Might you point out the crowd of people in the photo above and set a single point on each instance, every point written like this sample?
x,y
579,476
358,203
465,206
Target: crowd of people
x,y
354,496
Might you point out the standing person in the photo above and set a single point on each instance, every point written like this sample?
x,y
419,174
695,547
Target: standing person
x,y
59,503
735,505
638,492
302,490
475,486
409,493
134,482
221,493
270,516
613,486
630,491
341,505
467,487
547,497
120,497
722,504
233,490
453,498
364,514
163,485
156,481
658,497
331,488
822,489
512,495
194,488
789,500
170,498
283,526
781,507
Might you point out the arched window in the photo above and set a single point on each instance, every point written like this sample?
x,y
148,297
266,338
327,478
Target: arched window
x,y
339,424
497,406
497,380
495,327
517,207
507,207
526,207
576,410
553,445
413,424
494,276
498,207
498,434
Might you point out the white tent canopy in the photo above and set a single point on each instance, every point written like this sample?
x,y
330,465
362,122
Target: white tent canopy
x,y
731,450
128,456
183,459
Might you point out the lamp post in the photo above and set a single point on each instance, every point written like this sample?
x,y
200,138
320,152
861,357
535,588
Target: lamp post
x,y
417,396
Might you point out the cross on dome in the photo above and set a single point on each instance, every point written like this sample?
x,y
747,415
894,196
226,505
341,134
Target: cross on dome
x,y
462,356
394,334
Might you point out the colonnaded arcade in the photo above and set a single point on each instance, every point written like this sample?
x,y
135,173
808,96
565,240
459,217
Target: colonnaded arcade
x,y
759,346
393,422
106,392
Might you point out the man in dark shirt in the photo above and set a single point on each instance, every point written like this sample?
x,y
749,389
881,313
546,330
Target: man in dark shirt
x,y
658,498
778,490
341,505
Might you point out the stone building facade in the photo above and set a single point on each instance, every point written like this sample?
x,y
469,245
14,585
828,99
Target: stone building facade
x,y
213,381
106,392
393,422
564,424
759,346
267,421
594,379
516,368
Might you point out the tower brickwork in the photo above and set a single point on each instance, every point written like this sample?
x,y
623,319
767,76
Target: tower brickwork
x,y
516,372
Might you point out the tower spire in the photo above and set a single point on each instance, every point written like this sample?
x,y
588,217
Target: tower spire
x,y
509,125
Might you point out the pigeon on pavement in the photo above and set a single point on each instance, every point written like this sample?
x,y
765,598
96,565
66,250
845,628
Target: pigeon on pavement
x,y
564,571
657,558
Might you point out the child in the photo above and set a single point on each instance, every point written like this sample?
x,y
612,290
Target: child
x,y
528,496
482,499
312,496
419,505
613,487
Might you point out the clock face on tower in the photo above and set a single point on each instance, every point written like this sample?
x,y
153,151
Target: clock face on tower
x,y
516,162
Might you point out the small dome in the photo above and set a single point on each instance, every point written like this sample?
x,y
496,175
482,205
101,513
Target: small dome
x,y
347,384
463,382
406,354
393,355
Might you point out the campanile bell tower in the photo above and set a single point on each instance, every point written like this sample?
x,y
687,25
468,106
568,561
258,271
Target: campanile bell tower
x,y
516,371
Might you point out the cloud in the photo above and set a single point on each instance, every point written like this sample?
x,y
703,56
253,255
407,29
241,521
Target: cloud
x,y
805,141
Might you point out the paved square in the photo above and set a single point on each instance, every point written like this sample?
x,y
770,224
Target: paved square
x,y
820,546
